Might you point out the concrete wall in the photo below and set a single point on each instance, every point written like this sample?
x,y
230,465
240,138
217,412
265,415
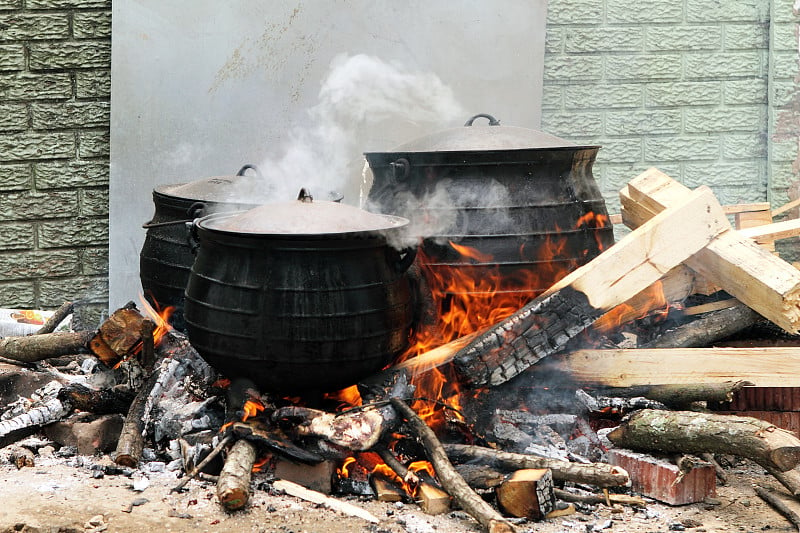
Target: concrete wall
x,y
55,86
702,89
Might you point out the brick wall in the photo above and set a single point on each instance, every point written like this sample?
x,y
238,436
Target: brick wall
x,y
55,87
689,87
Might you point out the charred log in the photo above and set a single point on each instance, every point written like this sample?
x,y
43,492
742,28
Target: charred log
x,y
677,396
116,399
708,329
690,432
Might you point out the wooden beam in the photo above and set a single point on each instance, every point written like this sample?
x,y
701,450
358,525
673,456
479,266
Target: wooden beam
x,y
548,322
773,232
764,282
766,367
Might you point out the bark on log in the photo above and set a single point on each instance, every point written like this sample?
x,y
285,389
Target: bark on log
x,y
681,395
547,323
690,432
705,331
606,498
31,348
131,439
599,474
452,482
233,487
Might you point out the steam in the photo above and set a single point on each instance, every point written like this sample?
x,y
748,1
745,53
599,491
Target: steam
x,y
359,91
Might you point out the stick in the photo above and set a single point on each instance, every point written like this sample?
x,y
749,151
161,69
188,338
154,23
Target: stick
x,y
779,505
233,486
202,464
605,498
293,489
452,482
600,474
60,314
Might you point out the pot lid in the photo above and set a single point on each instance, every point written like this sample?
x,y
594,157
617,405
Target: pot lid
x,y
304,216
491,136
243,188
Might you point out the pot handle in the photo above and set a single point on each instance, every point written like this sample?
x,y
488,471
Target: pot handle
x,y
191,236
492,121
401,169
406,258
247,167
196,210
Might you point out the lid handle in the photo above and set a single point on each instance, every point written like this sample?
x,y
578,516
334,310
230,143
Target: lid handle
x,y
305,196
247,167
492,121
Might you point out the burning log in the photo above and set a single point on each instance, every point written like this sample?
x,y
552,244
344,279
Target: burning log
x,y
432,499
356,429
233,486
546,324
452,482
32,348
599,474
527,493
747,271
689,432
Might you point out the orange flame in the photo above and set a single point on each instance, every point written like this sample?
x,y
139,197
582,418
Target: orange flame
x,y
258,465
468,299
349,397
344,470
251,408
159,316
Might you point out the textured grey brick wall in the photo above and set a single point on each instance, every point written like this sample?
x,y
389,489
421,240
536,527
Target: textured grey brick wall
x,y
55,88
705,90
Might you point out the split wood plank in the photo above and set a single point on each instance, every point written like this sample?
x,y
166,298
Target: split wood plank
x,y
773,232
567,308
756,277
765,367
298,491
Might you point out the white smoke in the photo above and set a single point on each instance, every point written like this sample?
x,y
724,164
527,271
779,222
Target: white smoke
x,y
359,91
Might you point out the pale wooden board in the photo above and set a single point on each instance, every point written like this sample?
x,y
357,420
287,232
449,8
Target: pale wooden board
x,y
765,367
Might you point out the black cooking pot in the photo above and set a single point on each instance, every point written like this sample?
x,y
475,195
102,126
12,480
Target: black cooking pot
x,y
524,199
166,259
299,296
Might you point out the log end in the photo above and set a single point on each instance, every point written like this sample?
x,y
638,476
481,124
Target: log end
x,y
124,459
233,499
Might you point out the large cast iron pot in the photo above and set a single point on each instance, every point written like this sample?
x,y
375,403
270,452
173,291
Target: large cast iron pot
x,y
299,296
166,259
524,199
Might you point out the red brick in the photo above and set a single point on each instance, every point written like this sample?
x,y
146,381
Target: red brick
x,y
655,478
788,420
317,477
766,399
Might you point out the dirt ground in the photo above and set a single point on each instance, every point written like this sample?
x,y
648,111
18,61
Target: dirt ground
x,y
57,497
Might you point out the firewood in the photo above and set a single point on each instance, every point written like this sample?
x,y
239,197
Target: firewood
x,y
21,457
690,432
567,308
452,482
118,335
766,367
56,318
527,493
682,395
600,474
789,479
116,399
783,504
385,489
298,491
202,464
748,272
605,498
233,486
773,232
432,500
131,439
31,348
20,425
708,329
